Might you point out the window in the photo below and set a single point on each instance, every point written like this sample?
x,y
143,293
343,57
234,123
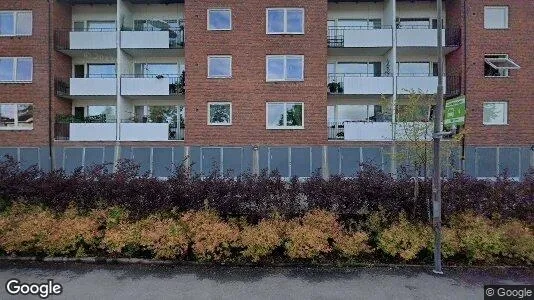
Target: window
x,y
102,113
142,69
285,21
15,23
360,23
219,19
498,65
495,113
16,116
415,68
285,115
496,17
101,71
219,66
101,26
16,69
359,68
413,23
285,67
219,113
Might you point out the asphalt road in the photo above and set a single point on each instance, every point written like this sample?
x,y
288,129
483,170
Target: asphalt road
x,y
118,281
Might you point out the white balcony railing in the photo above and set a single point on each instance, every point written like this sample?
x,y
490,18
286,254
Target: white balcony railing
x,y
88,132
360,84
93,87
418,37
152,85
381,131
87,40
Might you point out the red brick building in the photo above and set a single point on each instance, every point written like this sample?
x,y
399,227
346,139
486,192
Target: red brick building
x,y
296,87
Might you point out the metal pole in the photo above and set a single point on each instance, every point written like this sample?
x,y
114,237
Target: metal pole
x,y
436,177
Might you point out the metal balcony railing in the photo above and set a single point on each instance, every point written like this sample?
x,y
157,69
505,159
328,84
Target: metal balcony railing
x,y
336,80
176,31
336,34
336,131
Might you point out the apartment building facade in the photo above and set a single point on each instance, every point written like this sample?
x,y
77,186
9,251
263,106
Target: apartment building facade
x,y
234,86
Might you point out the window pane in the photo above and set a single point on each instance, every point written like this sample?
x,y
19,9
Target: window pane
x,y
220,19
24,69
353,23
495,17
6,23
414,23
108,112
294,69
25,115
414,68
352,68
275,20
164,69
275,68
6,69
220,114
7,115
101,71
294,114
295,21
494,113
24,23
162,114
100,25
220,67
352,113
275,114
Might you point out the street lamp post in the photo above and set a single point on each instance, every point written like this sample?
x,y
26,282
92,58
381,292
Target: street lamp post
x,y
436,137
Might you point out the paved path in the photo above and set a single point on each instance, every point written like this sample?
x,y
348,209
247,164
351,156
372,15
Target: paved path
x,y
88,281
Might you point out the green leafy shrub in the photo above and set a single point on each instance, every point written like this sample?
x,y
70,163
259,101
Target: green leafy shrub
x,y
212,238
405,239
479,239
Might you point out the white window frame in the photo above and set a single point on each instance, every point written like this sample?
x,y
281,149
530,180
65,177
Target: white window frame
x,y
220,103
15,17
506,20
218,9
219,56
285,57
285,10
505,113
17,127
285,127
15,61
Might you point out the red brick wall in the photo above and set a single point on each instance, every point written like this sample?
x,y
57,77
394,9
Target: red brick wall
x,y
247,90
518,89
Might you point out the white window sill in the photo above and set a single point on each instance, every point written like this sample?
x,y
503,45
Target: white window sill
x,y
496,76
495,124
220,77
285,33
286,128
284,80
220,124
214,29
15,35
15,128
16,82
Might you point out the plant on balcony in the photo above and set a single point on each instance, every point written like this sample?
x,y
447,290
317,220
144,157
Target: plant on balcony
x,y
335,87
159,76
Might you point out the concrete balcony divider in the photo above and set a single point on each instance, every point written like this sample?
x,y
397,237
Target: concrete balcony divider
x,y
93,87
86,40
88,132
426,84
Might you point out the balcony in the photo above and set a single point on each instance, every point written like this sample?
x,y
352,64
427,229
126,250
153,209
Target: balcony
x,y
377,131
424,39
360,37
418,83
160,38
85,132
151,132
153,85
82,42
359,84
80,88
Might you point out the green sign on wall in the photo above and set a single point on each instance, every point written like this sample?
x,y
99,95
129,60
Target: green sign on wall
x,y
455,111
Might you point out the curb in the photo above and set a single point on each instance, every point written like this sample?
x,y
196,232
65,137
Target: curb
x,y
141,261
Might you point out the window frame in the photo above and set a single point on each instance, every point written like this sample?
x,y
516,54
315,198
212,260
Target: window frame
x,y
285,10
218,76
15,14
218,9
505,113
285,57
284,127
14,71
220,103
16,120
504,56
507,16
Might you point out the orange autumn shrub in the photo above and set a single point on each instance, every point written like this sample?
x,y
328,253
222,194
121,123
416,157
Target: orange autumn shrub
x,y
260,240
352,245
323,221
122,237
518,240
211,237
307,242
166,238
